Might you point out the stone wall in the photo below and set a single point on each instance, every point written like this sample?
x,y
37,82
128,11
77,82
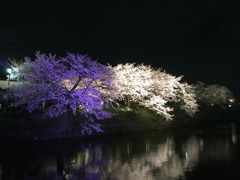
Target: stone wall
x,y
4,84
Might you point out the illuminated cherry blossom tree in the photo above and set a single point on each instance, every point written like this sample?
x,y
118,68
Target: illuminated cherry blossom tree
x,y
153,89
78,84
212,95
132,81
74,83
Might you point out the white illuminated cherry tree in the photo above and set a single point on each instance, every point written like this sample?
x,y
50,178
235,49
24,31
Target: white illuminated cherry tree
x,y
132,81
153,89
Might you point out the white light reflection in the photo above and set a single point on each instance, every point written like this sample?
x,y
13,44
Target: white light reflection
x,y
234,133
162,163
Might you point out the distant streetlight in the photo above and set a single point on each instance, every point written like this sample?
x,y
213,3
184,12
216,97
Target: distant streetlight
x,y
9,70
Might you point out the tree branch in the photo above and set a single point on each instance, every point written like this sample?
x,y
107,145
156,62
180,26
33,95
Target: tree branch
x,y
74,87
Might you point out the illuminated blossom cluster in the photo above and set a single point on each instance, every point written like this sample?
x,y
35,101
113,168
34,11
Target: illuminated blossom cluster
x,y
212,95
73,83
153,89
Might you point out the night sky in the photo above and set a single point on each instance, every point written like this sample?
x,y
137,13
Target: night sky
x,y
197,39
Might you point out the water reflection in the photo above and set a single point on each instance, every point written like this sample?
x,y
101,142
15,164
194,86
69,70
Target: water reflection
x,y
159,161
142,156
234,133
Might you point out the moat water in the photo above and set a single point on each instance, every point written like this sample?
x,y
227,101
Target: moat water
x,y
210,153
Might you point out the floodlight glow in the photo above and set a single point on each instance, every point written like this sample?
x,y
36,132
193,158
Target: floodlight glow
x,y
9,70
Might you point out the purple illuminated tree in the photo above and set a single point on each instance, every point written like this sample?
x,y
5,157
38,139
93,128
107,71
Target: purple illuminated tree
x,y
74,83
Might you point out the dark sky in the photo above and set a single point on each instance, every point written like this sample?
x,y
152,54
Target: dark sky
x,y
197,39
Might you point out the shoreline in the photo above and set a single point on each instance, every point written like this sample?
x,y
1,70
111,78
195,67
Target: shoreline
x,y
32,127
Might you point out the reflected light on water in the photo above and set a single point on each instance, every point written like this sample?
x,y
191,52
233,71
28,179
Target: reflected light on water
x,y
234,133
142,157
161,161
86,156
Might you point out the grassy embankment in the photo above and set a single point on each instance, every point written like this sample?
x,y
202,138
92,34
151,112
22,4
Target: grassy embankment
x,y
18,124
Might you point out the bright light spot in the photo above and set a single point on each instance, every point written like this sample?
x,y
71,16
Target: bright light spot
x,y
125,109
231,100
212,104
229,105
128,109
9,70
